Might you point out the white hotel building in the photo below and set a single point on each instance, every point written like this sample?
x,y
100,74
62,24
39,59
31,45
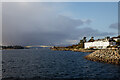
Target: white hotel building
x,y
99,44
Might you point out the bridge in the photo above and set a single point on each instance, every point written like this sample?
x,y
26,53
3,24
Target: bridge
x,y
38,46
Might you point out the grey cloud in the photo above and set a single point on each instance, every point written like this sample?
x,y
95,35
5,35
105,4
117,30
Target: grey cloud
x,y
88,21
88,32
38,24
114,26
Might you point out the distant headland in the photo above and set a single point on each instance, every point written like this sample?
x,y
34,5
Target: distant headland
x,y
23,47
12,47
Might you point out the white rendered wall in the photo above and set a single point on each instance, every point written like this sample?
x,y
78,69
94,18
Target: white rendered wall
x,y
97,44
116,39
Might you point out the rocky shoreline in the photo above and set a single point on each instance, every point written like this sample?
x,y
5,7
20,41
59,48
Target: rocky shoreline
x,y
111,56
71,49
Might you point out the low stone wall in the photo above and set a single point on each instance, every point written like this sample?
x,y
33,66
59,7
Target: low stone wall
x,y
108,56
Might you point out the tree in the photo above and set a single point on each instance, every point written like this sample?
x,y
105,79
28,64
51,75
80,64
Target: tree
x,y
119,36
91,40
84,39
81,43
118,42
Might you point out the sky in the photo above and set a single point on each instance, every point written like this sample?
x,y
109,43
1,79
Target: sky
x,y
57,23
59,0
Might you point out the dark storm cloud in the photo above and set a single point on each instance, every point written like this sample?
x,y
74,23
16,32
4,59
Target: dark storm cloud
x,y
38,24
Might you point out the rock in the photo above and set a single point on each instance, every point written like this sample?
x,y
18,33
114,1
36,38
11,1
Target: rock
x,y
106,55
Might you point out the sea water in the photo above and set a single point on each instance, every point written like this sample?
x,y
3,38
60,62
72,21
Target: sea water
x,y
45,63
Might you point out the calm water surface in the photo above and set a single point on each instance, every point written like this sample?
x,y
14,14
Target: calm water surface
x,y
45,63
